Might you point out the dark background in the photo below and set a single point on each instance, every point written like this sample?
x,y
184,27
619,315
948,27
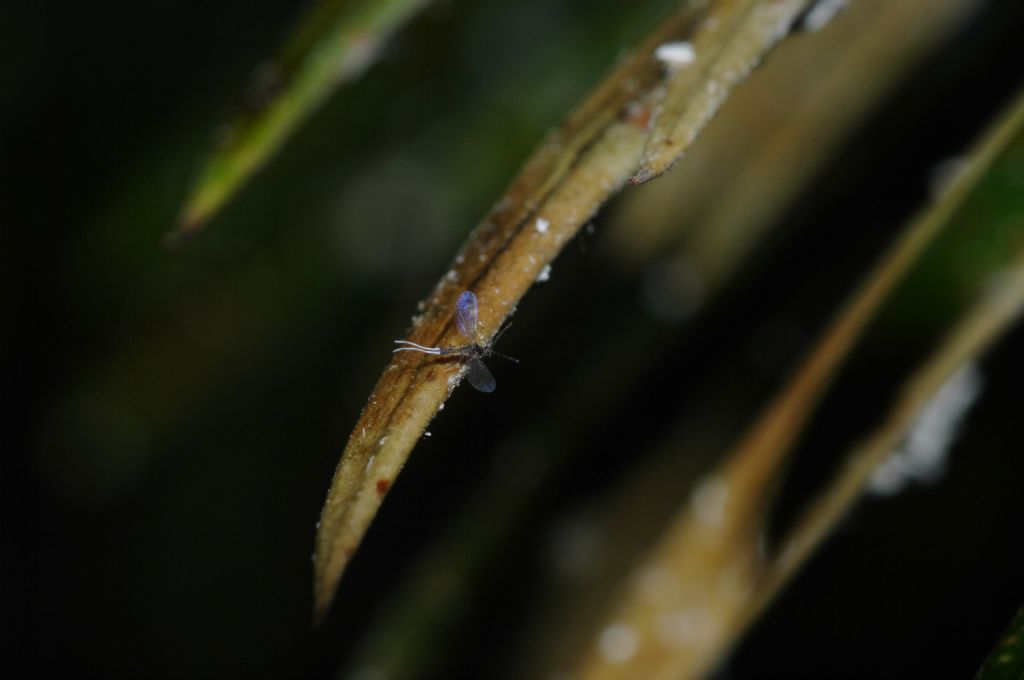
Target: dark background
x,y
174,418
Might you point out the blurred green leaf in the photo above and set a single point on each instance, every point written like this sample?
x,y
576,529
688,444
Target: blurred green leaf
x,y
334,43
1007,660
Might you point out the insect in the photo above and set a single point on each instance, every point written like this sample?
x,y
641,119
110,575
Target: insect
x,y
473,352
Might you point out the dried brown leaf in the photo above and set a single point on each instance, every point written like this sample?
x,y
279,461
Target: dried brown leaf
x,y
569,177
708,577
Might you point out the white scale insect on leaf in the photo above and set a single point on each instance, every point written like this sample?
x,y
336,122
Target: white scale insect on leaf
x,y
675,55
923,455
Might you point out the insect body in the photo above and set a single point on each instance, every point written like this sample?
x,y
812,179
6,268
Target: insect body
x,y
472,353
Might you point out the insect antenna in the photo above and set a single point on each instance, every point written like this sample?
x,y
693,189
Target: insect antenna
x,y
497,335
503,356
409,346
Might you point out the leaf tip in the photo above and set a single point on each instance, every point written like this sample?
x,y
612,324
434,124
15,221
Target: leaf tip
x,y
176,238
642,176
193,218
325,585
329,561
320,610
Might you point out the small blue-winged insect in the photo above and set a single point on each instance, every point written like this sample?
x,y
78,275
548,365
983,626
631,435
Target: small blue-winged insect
x,y
473,352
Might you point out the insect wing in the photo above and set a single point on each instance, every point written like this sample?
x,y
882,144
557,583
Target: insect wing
x,y
465,315
479,376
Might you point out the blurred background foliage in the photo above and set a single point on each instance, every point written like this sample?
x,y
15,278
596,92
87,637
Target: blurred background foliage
x,y
176,416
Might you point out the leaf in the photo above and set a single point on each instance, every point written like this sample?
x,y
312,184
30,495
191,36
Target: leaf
x,y
997,303
418,622
727,47
336,41
757,155
1007,660
587,159
712,547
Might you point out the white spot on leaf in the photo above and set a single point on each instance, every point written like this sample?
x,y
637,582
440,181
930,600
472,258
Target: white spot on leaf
x,y
657,584
709,500
618,642
675,55
922,456
693,626
822,13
